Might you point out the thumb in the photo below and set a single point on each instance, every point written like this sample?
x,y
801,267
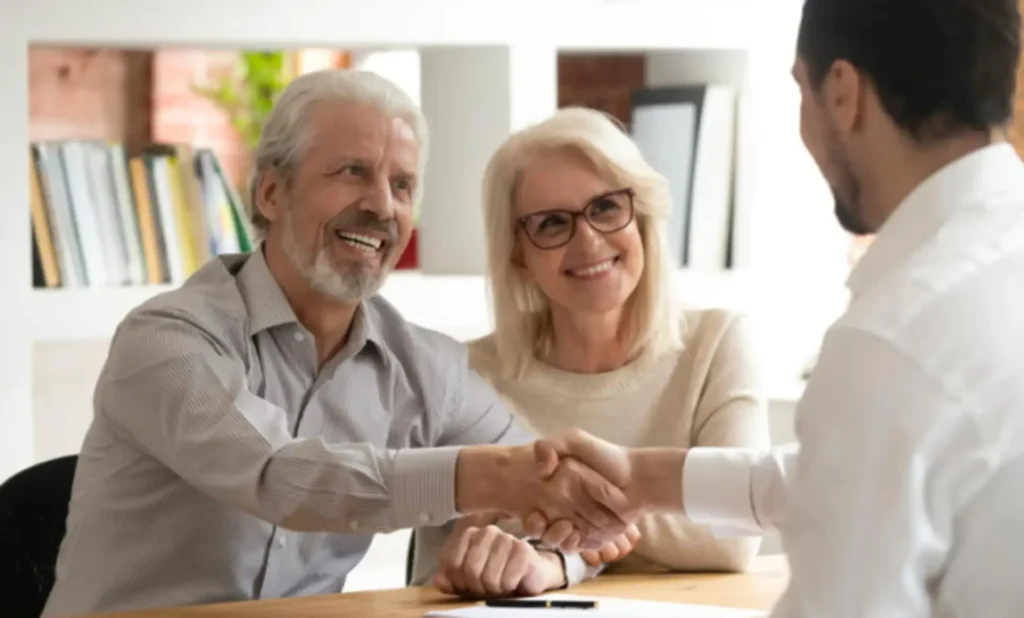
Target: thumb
x,y
592,557
548,452
443,584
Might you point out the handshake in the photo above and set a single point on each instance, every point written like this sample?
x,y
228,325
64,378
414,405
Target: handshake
x,y
571,491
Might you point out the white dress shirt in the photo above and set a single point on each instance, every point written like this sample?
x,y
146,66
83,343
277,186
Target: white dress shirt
x,y
906,497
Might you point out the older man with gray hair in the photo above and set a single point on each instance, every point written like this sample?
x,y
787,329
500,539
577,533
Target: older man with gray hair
x,y
254,428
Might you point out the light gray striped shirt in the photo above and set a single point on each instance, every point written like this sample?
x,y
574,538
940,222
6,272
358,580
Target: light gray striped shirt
x,y
221,465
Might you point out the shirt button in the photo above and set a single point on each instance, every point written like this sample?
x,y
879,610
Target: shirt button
x,y
424,517
282,542
299,336
353,526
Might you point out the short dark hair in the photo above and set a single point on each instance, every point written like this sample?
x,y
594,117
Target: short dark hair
x,y
939,66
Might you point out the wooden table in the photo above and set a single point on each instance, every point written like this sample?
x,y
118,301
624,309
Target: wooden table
x,y
759,588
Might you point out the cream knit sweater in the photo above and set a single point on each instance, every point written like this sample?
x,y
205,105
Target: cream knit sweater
x,y
707,394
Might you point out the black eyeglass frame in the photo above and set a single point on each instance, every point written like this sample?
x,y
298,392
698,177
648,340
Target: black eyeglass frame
x,y
582,213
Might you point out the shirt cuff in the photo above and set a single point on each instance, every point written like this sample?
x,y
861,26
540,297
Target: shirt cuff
x,y
716,490
423,491
577,570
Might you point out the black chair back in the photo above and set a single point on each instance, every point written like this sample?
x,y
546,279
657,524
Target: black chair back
x,y
33,512
410,556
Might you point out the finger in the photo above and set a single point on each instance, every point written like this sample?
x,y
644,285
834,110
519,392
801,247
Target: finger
x,y
601,523
620,546
610,552
623,547
518,566
492,575
453,558
558,533
598,454
443,584
570,495
535,524
633,534
476,559
574,543
549,452
592,558
614,505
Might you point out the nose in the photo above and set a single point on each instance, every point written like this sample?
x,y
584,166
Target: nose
x,y
379,199
586,237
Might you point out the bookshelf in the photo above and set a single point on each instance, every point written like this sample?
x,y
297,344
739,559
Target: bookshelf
x,y
457,303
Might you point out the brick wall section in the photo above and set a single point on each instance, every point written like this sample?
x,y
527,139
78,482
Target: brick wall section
x,y
88,94
181,115
133,97
600,81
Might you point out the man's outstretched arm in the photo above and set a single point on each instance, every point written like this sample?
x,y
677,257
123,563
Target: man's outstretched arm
x,y
734,491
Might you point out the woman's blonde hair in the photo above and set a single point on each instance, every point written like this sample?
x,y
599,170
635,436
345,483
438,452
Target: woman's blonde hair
x,y
522,317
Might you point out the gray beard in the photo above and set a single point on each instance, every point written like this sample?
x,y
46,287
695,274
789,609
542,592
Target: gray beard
x,y
353,287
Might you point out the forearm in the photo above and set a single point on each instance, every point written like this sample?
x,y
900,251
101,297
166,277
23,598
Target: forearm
x,y
655,478
312,486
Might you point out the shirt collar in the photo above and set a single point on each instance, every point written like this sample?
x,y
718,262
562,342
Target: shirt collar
x,y
268,307
365,328
264,299
962,185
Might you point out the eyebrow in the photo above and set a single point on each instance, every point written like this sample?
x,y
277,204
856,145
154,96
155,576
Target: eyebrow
x,y
338,160
589,201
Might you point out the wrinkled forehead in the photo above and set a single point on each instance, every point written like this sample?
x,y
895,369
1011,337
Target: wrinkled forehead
x,y
342,129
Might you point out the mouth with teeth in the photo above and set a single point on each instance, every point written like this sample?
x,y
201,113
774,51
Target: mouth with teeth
x,y
594,271
363,243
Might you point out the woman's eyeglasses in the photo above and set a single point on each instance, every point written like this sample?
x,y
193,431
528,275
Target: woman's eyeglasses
x,y
606,213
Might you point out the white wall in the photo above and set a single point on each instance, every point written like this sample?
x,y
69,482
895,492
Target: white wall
x,y
15,251
400,66
798,253
473,99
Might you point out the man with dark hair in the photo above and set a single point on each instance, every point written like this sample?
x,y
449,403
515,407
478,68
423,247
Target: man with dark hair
x,y
939,75
904,497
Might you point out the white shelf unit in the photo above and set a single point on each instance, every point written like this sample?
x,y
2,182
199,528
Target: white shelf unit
x,y
58,315
28,316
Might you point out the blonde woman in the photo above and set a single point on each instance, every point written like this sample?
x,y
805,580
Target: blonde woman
x,y
587,334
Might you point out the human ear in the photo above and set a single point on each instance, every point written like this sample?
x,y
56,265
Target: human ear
x,y
519,263
268,195
843,92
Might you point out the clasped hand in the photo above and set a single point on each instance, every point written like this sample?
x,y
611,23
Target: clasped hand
x,y
569,490
572,450
536,478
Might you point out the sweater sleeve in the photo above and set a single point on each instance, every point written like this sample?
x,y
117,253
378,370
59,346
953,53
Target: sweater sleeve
x,y
730,412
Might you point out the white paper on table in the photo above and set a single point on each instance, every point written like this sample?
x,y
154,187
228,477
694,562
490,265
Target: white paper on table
x,y
608,607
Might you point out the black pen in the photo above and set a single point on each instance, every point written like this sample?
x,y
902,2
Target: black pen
x,y
541,603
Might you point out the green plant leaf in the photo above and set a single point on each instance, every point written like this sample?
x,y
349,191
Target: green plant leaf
x,y
249,95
